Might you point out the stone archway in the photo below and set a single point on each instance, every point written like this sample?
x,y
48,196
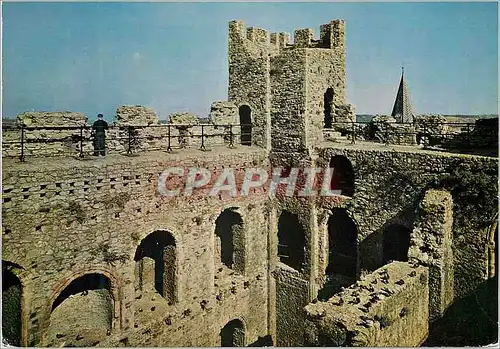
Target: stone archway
x,y
82,314
342,175
328,106
291,241
233,334
245,113
342,267
230,240
156,265
342,244
11,307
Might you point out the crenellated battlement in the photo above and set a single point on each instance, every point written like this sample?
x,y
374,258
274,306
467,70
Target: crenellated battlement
x,y
332,36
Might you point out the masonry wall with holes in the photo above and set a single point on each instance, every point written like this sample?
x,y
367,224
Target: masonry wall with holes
x,y
83,239
387,207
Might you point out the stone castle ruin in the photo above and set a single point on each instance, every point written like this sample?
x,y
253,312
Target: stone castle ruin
x,y
93,256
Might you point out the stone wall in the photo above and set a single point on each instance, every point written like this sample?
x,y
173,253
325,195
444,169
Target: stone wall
x,y
388,307
89,217
389,186
432,240
136,115
224,113
54,140
249,80
136,130
288,74
84,217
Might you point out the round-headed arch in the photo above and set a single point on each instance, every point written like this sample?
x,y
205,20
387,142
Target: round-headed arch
x,y
233,334
245,114
83,307
13,326
156,260
230,241
291,241
342,175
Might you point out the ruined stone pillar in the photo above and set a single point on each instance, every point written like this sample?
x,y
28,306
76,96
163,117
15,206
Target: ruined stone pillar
x,y
169,278
431,245
147,274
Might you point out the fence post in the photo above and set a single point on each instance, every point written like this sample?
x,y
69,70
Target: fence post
x,y
231,141
353,141
468,135
21,157
169,147
81,142
202,138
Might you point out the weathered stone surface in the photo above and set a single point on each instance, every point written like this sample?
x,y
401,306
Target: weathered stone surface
x,y
431,246
183,118
136,116
388,307
224,113
52,119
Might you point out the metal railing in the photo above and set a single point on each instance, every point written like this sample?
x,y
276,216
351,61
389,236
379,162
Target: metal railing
x,y
426,134
23,140
125,139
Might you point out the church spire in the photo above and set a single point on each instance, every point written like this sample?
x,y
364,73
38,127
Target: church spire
x,y
402,110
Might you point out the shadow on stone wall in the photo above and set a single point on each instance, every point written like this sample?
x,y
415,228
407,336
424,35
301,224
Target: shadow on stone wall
x,y
266,341
469,321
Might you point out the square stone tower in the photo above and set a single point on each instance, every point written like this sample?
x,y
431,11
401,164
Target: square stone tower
x,y
293,90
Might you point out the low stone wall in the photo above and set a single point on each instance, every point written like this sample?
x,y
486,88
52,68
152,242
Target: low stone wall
x,y
386,308
137,129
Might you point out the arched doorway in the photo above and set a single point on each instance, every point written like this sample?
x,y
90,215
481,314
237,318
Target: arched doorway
x,y
11,307
82,314
233,334
396,243
328,104
342,244
291,241
342,176
156,265
230,240
341,270
246,124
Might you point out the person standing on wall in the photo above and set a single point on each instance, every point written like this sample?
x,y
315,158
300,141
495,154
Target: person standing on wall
x,y
99,130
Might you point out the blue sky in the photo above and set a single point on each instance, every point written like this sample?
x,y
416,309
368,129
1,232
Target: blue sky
x,y
94,57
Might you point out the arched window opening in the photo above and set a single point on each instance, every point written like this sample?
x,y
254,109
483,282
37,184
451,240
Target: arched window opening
x,y
82,314
342,175
11,307
396,243
230,240
233,334
156,265
291,241
328,104
342,244
246,124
